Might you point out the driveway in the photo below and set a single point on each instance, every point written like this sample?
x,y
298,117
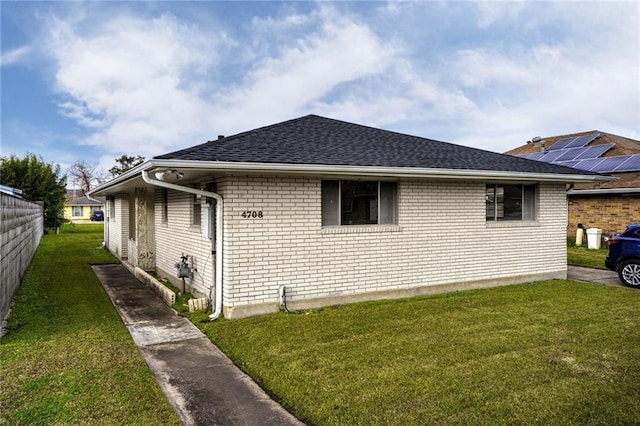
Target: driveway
x,y
601,276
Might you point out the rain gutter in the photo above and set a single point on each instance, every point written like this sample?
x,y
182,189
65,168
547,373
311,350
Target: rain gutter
x,y
217,309
342,170
604,191
412,172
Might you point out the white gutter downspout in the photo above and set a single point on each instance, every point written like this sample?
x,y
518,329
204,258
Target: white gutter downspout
x,y
219,219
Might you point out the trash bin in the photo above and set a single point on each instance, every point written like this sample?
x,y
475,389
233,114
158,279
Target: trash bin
x,y
594,236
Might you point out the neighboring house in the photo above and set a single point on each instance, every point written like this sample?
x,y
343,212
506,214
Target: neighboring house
x,y
80,209
609,206
325,212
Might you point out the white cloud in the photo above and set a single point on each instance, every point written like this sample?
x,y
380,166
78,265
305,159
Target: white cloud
x,y
149,85
135,82
585,77
270,23
492,12
307,71
15,56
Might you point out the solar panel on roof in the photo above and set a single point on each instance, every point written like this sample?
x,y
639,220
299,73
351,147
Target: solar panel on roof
x,y
528,155
587,164
575,142
594,151
581,141
609,164
561,144
631,165
551,156
570,154
536,156
578,142
567,163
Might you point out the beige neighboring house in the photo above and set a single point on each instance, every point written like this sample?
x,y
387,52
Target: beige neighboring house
x,y
79,209
315,212
609,206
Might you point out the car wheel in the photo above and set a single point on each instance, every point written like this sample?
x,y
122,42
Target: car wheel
x,y
629,273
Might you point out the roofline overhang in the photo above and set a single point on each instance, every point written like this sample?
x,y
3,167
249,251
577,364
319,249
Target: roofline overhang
x,y
341,170
604,191
126,176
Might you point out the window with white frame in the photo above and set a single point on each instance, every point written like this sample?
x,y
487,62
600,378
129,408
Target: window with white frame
x,y
111,207
196,210
77,211
351,202
510,202
165,205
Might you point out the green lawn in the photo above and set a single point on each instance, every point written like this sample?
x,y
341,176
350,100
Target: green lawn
x,y
554,352
67,358
582,256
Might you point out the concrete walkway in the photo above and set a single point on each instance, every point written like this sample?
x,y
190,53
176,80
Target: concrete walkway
x,y
601,276
202,384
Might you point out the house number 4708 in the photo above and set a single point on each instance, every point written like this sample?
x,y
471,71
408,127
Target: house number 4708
x,y
252,214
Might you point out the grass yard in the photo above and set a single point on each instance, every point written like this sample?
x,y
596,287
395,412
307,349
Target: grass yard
x,y
67,358
554,352
582,256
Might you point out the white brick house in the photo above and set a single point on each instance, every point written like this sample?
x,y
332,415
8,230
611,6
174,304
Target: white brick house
x,y
334,212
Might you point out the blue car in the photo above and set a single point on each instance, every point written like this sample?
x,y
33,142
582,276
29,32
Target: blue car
x,y
624,255
97,216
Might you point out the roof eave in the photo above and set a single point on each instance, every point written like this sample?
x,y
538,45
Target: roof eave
x,y
342,170
604,191
123,178
328,169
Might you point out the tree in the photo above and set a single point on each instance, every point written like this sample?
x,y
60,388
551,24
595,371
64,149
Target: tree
x,y
86,175
126,163
39,181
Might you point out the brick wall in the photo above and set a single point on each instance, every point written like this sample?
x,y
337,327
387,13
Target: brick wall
x,y
178,236
21,228
442,238
442,242
609,213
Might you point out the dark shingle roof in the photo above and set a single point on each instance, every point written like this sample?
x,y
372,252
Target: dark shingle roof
x,y
323,141
86,201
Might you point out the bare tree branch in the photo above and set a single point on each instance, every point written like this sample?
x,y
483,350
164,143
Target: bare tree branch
x,y
86,175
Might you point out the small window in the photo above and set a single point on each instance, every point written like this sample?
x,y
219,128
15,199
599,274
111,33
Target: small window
x,y
77,211
196,211
510,202
165,205
347,202
111,209
132,217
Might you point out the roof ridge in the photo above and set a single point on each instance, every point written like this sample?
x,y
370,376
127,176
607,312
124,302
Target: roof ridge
x,y
263,128
235,136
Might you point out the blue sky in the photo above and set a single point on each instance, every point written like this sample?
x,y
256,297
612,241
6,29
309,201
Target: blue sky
x,y
94,80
